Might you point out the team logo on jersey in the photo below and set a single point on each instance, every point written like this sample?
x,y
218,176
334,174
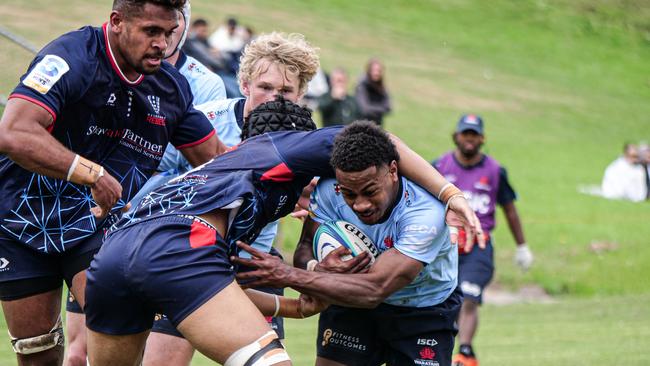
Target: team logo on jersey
x,y
46,73
211,115
111,100
388,242
156,118
337,189
483,184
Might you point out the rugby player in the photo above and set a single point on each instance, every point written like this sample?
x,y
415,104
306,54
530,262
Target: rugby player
x,y
84,129
271,65
484,183
205,86
172,255
403,310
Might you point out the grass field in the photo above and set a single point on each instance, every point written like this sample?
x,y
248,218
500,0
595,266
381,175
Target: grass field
x,y
561,85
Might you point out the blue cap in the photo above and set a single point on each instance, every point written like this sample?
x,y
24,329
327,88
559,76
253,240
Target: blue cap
x,y
470,122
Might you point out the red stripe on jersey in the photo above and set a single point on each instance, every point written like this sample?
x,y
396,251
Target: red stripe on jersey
x,y
185,146
202,235
40,104
111,58
279,173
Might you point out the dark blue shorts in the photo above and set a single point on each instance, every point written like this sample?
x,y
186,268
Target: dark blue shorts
x,y
475,271
163,325
395,335
71,304
170,265
26,272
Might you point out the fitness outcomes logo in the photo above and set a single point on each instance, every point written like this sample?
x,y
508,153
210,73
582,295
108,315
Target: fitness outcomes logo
x,y
337,339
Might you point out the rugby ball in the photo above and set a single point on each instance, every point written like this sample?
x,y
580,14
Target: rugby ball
x,y
333,234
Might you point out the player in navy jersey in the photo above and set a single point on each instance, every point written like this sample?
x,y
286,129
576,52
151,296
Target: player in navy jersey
x,y
403,310
485,184
172,255
205,86
86,126
273,64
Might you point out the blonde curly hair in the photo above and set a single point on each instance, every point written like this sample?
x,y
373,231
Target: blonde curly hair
x,y
289,50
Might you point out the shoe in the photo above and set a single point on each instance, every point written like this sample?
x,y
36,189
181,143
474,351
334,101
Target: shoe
x,y
462,360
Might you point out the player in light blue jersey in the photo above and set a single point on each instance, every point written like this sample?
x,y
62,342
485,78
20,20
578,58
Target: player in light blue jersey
x,y
401,311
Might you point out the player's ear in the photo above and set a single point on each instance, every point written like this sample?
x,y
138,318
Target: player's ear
x,y
245,88
116,21
392,169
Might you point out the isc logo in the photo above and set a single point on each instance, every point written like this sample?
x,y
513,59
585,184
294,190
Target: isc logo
x,y
427,342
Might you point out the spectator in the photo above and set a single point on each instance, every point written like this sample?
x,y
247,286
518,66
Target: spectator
x,y
229,40
644,158
625,177
197,45
371,93
338,107
316,88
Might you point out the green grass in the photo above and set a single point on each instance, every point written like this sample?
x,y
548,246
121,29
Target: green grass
x,y
561,85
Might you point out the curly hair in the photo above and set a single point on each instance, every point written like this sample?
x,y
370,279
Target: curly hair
x,y
277,115
291,51
133,7
362,145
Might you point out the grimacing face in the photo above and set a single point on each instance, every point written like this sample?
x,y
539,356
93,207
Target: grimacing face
x,y
370,193
144,37
273,79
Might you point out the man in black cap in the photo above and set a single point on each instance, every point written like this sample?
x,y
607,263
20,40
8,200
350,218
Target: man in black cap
x,y
485,184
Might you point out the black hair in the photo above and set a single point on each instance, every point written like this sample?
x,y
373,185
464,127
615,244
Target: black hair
x,y
362,145
133,7
200,22
277,115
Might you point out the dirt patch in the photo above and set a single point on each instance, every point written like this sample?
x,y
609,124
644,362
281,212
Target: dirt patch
x,y
495,294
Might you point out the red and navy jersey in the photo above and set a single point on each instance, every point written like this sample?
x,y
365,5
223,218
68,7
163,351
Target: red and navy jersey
x,y
260,180
99,114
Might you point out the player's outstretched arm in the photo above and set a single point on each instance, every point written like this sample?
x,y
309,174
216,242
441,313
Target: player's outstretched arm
x,y
25,140
274,305
418,170
391,272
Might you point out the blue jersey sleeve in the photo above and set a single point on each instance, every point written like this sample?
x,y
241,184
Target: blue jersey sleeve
x,y
505,193
61,72
308,153
195,127
323,204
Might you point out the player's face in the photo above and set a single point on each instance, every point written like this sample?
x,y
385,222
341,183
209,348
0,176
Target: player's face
x,y
177,34
371,192
274,79
144,36
468,142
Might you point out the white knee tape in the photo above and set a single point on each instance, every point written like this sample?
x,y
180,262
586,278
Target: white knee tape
x,y
28,346
265,351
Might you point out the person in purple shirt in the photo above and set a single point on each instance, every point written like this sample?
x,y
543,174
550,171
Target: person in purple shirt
x,y
484,183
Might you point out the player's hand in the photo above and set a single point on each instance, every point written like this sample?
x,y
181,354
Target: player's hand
x,y
334,262
461,216
270,270
523,257
301,209
106,192
310,305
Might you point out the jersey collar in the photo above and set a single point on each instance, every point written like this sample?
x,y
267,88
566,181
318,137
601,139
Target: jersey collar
x,y
111,58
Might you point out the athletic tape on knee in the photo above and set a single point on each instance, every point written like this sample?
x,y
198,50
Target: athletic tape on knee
x,y
28,346
265,351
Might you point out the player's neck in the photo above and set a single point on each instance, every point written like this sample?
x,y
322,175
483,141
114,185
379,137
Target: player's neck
x,y
468,161
173,59
127,71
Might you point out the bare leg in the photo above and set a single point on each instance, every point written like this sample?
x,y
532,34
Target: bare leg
x,y
75,325
224,324
33,316
105,350
163,349
467,321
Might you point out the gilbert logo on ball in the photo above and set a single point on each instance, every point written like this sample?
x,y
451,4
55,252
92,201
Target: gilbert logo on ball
x,y
333,234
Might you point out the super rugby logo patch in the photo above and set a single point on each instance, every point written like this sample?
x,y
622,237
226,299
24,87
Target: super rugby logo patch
x,y
156,118
46,73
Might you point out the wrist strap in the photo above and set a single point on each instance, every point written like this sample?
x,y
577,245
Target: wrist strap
x,y
311,265
84,171
277,305
449,192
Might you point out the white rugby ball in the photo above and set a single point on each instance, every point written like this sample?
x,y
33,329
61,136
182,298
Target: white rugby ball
x,y
333,234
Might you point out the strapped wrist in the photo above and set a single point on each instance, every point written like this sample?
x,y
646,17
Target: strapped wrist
x,y
448,192
84,171
311,265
